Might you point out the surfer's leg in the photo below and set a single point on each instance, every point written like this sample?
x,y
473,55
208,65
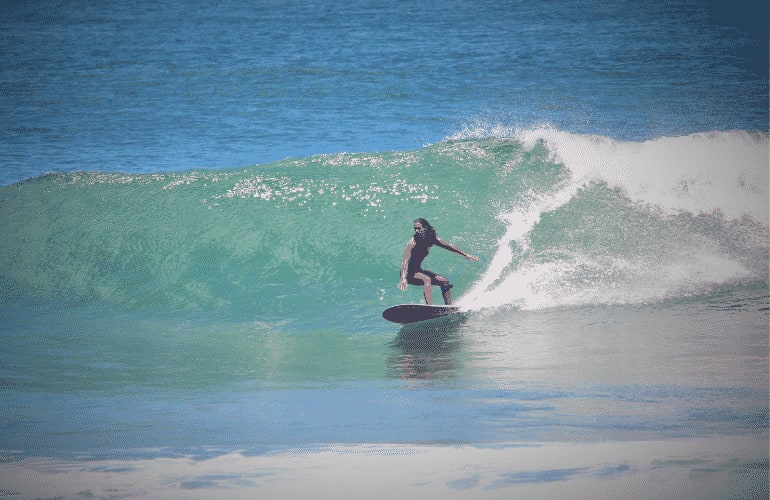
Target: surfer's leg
x,y
436,280
446,288
446,293
427,287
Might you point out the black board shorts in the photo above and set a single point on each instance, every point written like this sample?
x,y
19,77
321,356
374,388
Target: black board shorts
x,y
435,279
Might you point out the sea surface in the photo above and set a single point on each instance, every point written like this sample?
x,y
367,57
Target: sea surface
x,y
204,206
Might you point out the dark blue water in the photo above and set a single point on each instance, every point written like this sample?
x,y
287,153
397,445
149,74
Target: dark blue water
x,y
144,86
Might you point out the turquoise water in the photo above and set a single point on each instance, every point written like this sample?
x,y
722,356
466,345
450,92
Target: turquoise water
x,y
204,207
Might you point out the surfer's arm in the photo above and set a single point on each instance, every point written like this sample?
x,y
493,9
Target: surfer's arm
x,y
402,284
452,248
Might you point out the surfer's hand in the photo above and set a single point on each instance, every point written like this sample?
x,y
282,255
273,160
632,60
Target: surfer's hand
x,y
471,257
403,285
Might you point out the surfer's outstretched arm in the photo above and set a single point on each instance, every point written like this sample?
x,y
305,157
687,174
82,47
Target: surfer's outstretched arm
x,y
452,248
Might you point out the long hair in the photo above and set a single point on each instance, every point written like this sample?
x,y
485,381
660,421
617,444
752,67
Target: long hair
x,y
430,233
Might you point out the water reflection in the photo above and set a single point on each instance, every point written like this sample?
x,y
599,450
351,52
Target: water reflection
x,y
427,350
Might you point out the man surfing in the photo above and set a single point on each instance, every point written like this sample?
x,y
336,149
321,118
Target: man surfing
x,y
417,249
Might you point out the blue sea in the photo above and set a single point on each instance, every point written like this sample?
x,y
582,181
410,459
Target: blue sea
x,y
203,211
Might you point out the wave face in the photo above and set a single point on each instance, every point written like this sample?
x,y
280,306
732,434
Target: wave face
x,y
560,220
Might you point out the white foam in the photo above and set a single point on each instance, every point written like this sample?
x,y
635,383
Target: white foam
x,y
716,172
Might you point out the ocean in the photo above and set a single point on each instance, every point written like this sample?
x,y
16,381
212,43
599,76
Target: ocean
x,y
204,207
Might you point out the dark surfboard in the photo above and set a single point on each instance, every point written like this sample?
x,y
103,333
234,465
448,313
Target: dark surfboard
x,y
411,313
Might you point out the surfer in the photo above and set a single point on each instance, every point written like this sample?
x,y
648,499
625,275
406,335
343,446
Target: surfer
x,y
417,249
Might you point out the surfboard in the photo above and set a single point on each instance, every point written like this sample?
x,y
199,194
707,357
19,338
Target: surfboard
x,y
411,313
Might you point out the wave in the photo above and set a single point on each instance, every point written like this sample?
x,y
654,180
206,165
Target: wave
x,y
561,219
